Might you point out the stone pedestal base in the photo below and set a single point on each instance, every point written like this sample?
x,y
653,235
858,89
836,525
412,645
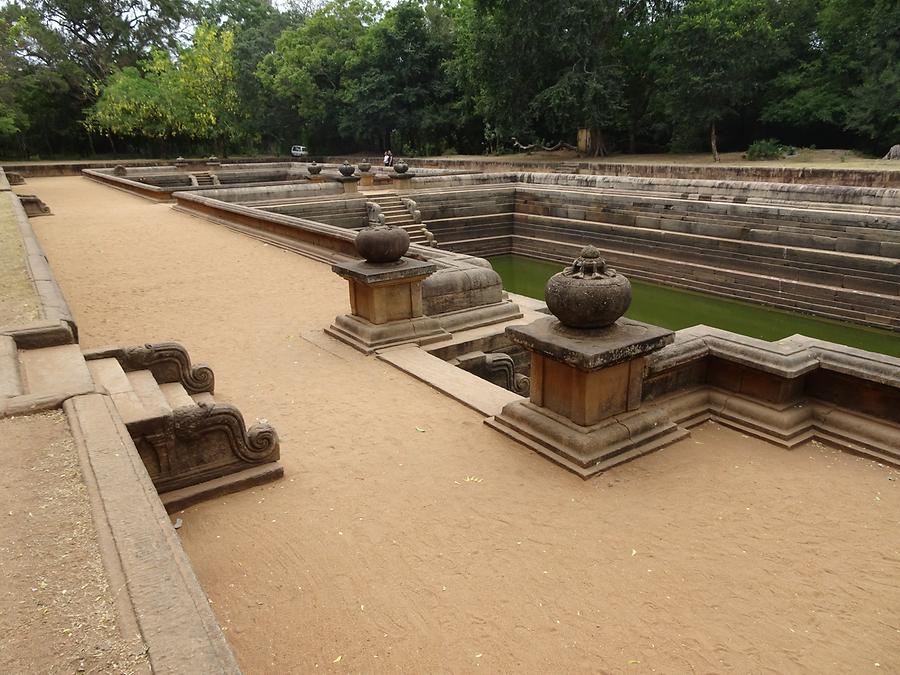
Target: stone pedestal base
x,y
587,450
584,411
366,180
401,181
316,178
385,305
349,183
368,337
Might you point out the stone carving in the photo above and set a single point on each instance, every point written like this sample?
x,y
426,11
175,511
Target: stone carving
x,y
496,367
502,363
119,170
382,243
167,361
257,444
374,214
34,206
893,153
314,169
347,169
364,166
413,209
401,167
588,294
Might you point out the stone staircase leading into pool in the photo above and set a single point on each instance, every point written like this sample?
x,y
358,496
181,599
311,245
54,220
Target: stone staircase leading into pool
x,y
203,179
192,446
396,213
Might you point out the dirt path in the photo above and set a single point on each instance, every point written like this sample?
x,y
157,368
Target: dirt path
x,y
57,612
452,549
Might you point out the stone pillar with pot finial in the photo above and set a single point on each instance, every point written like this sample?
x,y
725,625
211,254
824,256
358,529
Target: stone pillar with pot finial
x,y
347,177
315,171
367,179
587,371
385,294
401,178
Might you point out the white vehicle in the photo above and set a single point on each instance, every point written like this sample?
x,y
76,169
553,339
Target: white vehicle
x,y
299,151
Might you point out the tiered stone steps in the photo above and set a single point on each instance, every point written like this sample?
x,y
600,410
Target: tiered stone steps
x,y
203,179
395,213
193,447
837,264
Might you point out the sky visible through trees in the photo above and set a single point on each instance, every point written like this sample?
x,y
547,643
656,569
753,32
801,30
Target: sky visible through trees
x,y
168,77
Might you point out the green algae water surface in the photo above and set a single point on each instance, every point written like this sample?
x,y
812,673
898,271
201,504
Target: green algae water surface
x,y
675,308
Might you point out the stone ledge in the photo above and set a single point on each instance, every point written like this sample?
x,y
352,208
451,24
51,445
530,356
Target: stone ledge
x,y
159,588
622,341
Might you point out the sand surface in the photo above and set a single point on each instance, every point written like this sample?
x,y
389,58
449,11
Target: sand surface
x,y
408,537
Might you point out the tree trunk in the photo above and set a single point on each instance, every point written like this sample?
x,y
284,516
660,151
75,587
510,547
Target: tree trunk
x,y
632,143
598,143
712,142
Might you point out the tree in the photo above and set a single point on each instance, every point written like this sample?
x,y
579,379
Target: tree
x,y
312,61
549,68
397,82
257,25
713,58
194,96
850,78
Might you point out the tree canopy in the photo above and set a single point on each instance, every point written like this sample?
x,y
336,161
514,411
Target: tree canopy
x,y
429,76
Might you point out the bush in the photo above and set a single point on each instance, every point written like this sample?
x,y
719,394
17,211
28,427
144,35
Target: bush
x,y
768,148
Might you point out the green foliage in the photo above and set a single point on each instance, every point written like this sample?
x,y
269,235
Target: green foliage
x,y
851,78
194,96
426,76
767,148
712,59
311,62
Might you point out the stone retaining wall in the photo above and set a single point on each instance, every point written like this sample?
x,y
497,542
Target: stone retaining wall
x,y
796,253
805,175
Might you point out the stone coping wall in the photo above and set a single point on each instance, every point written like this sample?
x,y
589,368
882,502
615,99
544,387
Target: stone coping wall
x,y
45,318
158,182
805,175
464,292
786,391
52,169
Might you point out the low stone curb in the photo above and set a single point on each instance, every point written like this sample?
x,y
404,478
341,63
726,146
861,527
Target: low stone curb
x,y
157,592
57,325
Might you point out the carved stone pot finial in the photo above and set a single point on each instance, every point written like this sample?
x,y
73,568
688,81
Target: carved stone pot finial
x,y
346,169
401,167
364,165
588,294
382,243
314,169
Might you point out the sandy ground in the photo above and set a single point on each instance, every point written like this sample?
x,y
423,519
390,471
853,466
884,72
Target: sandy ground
x,y
57,614
19,302
453,549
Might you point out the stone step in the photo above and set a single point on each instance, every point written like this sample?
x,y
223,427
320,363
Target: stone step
x,y
147,389
204,397
132,393
176,395
10,381
54,370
